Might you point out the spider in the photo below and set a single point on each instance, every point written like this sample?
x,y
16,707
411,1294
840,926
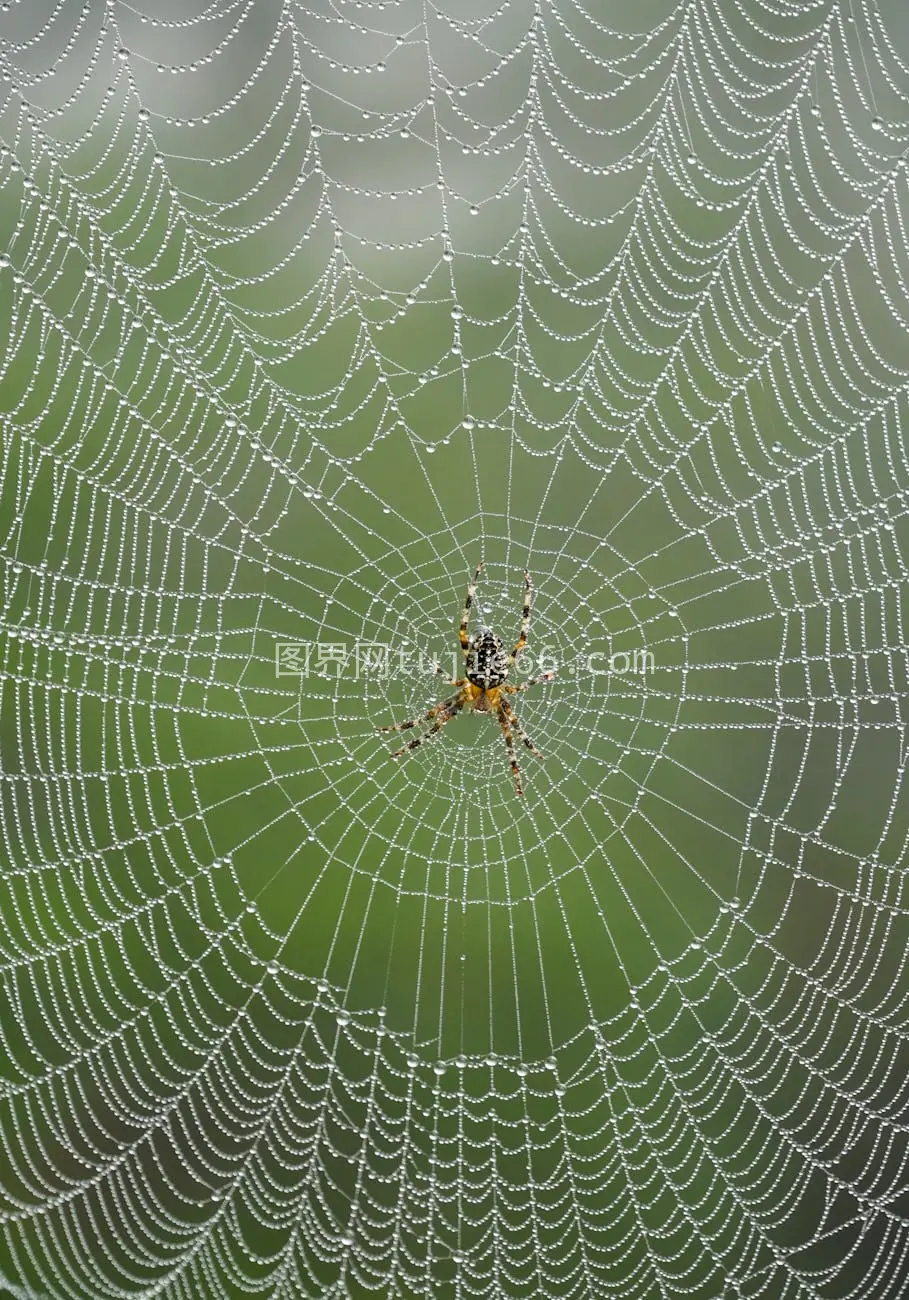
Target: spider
x,y
485,687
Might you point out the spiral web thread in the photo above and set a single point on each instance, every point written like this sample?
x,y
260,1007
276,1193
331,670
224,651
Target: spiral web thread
x,y
306,310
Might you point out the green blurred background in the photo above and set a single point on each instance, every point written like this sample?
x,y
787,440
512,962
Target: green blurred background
x,y
283,1017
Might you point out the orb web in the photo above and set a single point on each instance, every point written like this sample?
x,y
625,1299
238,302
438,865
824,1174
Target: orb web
x,y
306,311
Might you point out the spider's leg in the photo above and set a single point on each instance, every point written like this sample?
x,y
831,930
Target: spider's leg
x,y
453,707
533,681
462,630
525,620
516,723
509,741
430,713
452,681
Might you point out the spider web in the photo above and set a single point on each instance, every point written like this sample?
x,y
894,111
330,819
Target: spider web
x,y
307,309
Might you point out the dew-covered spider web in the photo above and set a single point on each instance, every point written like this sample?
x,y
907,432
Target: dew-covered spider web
x,y
306,310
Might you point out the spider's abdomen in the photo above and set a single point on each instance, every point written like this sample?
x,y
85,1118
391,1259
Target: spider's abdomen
x,y
487,662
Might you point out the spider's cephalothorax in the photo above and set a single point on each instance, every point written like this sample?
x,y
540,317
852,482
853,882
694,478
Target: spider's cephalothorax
x,y
485,687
